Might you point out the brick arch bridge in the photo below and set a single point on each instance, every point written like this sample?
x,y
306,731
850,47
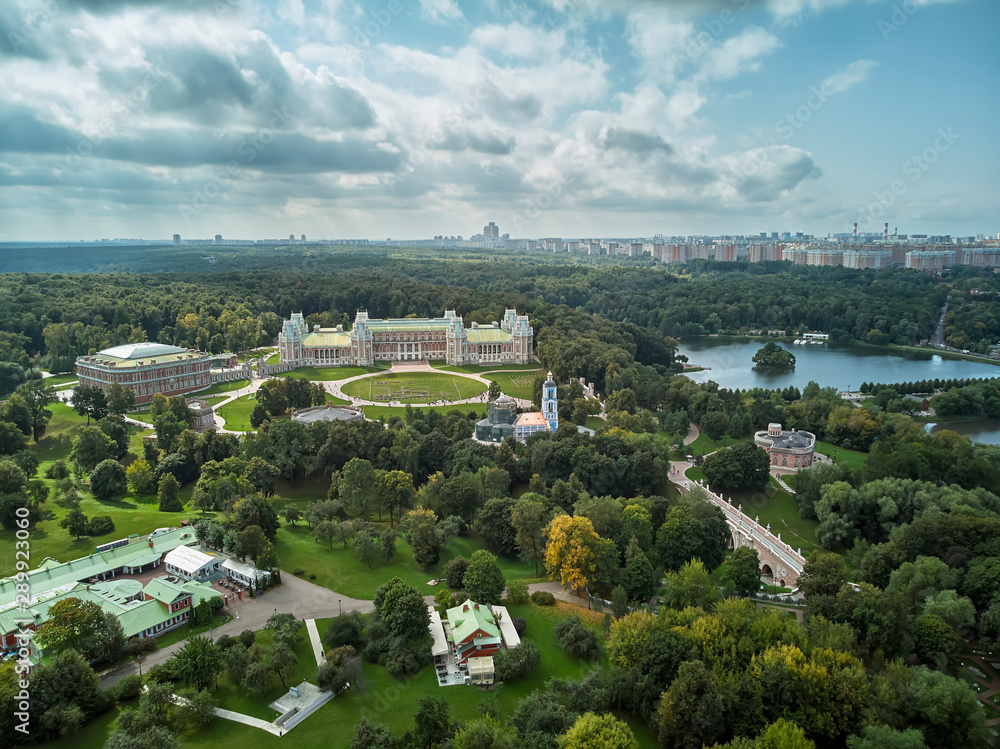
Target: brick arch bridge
x,y
777,558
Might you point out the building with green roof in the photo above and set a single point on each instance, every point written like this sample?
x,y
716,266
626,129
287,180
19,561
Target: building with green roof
x,y
371,340
472,631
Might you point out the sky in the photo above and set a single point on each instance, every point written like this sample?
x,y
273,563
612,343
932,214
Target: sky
x,y
565,118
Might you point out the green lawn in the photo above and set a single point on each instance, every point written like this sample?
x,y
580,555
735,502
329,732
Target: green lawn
x,y
237,413
190,630
132,514
414,387
515,384
232,697
61,381
223,387
776,507
328,374
595,423
380,698
704,445
851,458
477,369
387,412
339,570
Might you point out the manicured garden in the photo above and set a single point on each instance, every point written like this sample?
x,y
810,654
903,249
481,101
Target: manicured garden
x,y
414,387
515,384
329,374
478,369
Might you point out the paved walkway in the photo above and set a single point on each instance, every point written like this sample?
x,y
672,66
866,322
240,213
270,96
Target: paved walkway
x,y
317,644
296,596
249,720
335,388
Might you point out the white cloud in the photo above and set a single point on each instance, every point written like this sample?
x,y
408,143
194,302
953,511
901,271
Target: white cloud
x,y
517,40
857,72
440,11
739,54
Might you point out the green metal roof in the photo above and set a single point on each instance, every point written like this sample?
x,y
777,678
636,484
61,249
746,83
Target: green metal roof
x,y
163,590
49,575
488,335
469,617
326,338
411,325
142,616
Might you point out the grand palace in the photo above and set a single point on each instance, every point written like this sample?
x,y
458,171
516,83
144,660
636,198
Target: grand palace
x,y
409,339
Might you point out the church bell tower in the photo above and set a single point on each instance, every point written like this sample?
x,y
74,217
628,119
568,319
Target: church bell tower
x,y
550,404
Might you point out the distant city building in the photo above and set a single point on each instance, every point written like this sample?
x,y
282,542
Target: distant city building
x,y
786,449
410,339
859,259
177,240
218,239
491,231
934,260
981,257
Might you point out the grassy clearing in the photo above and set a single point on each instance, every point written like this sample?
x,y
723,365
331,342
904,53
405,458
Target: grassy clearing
x,y
851,458
339,570
329,374
595,423
223,387
515,384
387,412
773,506
414,388
478,369
237,413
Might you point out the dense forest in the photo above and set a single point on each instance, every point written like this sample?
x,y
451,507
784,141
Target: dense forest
x,y
588,312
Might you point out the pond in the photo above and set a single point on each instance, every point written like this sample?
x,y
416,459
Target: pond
x,y
981,430
842,366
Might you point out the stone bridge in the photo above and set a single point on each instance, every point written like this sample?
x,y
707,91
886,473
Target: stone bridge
x,y
777,559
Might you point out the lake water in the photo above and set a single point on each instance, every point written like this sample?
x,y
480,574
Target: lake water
x,y
842,366
984,430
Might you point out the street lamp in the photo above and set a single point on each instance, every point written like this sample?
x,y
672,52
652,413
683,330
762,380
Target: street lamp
x,y
340,603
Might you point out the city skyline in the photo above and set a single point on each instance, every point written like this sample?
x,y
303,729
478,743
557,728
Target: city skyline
x,y
407,120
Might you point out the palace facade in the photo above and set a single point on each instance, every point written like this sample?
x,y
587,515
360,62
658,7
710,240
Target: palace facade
x,y
410,339
147,368
151,368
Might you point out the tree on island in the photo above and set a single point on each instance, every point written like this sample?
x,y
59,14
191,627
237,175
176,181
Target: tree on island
x,y
772,356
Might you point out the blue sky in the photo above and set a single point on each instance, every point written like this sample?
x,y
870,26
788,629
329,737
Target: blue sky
x,y
572,118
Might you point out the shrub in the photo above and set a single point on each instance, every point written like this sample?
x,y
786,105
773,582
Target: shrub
x,y
224,642
312,576
517,662
454,572
139,645
543,598
345,630
248,637
576,638
58,470
517,592
520,625
401,663
298,571
129,687
100,525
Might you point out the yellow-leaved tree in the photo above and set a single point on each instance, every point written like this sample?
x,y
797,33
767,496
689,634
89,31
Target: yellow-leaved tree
x,y
571,551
